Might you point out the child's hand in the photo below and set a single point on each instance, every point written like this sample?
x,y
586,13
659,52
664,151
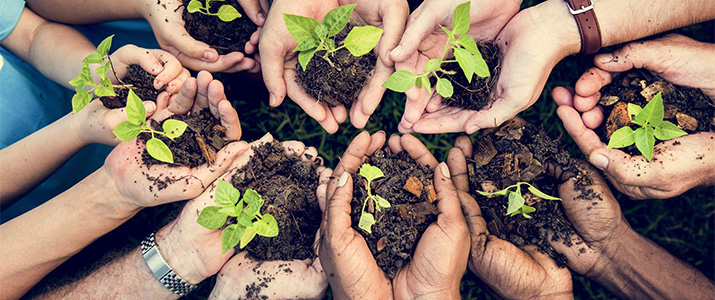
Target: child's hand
x,y
168,70
95,122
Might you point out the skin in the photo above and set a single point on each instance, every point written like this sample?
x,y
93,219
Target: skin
x,y
433,273
684,63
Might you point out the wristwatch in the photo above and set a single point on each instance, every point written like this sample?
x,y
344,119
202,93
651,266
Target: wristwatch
x,y
588,28
161,270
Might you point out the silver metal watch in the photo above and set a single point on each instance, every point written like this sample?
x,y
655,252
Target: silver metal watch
x,y
161,270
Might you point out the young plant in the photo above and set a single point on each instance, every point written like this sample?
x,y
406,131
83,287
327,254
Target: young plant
x,y
226,13
136,124
249,220
367,219
651,126
313,36
517,203
466,53
82,95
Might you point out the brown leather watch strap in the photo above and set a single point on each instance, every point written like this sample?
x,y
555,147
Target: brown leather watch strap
x,y
582,10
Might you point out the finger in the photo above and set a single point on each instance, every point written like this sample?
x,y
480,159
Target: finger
x,y
588,87
339,113
626,169
448,201
272,63
339,206
171,68
418,29
394,144
457,163
203,79
293,148
377,140
174,86
585,138
563,95
215,94
185,99
225,63
370,96
418,151
592,118
464,143
393,24
252,8
230,121
351,160
501,111
309,155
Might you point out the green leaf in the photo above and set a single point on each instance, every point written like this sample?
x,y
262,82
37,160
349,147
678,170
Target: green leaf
x,y
503,192
104,46
300,27
528,209
446,31
536,192
230,237
228,13
80,100
211,218
266,226
194,6
444,88
362,39
304,57
245,219
366,222
633,110
645,141
432,65
370,172
136,112
77,81
102,71
226,194
231,211
667,131
94,58
468,43
466,62
126,131
381,202
623,137
425,83
321,31
400,81
105,89
173,128
254,202
307,44
653,112
247,237
336,19
461,18
480,66
516,201
157,149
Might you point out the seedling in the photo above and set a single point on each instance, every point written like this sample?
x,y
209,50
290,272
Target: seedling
x,y
84,80
136,124
517,203
367,219
226,13
466,53
313,36
249,220
651,126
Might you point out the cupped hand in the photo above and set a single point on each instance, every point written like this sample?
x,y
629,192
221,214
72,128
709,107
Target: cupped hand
x,y
165,18
166,67
510,272
96,122
424,40
688,158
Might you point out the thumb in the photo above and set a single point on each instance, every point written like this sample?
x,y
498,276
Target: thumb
x,y
418,29
633,55
175,37
623,168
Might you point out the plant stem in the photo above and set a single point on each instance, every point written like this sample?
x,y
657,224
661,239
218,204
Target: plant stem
x,y
111,66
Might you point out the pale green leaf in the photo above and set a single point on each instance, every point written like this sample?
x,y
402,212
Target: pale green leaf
x,y
254,202
105,89
461,18
381,202
498,193
194,6
370,172
94,58
432,65
136,112
480,65
336,19
160,151
173,128
245,219
623,137
366,222
226,194
231,211
426,83
228,13
104,46
645,141
304,57
466,63
362,39
211,218
536,192
444,88
248,235
126,131
77,81
321,31
516,201
667,131
266,226
528,209
80,100
468,43
102,70
448,32
230,237
300,27
653,112
633,110
307,44
400,81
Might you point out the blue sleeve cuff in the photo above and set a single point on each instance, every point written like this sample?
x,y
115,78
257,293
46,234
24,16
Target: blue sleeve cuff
x,y
10,12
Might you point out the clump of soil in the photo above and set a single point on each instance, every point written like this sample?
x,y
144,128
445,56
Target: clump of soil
x,y
520,152
204,136
477,94
288,188
407,185
140,81
222,36
689,108
341,83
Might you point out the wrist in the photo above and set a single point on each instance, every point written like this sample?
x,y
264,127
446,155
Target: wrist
x,y
178,254
558,22
115,204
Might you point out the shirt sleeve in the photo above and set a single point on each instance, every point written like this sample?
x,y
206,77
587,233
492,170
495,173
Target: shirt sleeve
x,y
10,12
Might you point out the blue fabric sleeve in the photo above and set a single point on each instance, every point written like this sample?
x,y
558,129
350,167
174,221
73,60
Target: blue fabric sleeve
x,y
10,12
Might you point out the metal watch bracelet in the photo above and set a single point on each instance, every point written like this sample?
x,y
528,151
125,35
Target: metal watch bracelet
x,y
161,270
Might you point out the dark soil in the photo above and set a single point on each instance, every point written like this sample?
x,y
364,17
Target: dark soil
x,y
339,84
686,107
398,228
520,152
141,82
288,187
224,37
477,94
198,145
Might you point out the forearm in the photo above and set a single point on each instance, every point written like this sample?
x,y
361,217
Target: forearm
x,y
640,269
38,241
127,277
87,12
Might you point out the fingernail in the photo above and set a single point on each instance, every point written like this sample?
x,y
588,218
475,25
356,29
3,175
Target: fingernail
x,y
272,101
261,18
149,106
209,56
381,132
343,179
156,68
445,170
266,138
397,51
605,58
599,161
472,129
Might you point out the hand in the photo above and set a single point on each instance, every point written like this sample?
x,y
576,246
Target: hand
x,y
510,272
424,40
165,18
687,158
164,66
95,122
